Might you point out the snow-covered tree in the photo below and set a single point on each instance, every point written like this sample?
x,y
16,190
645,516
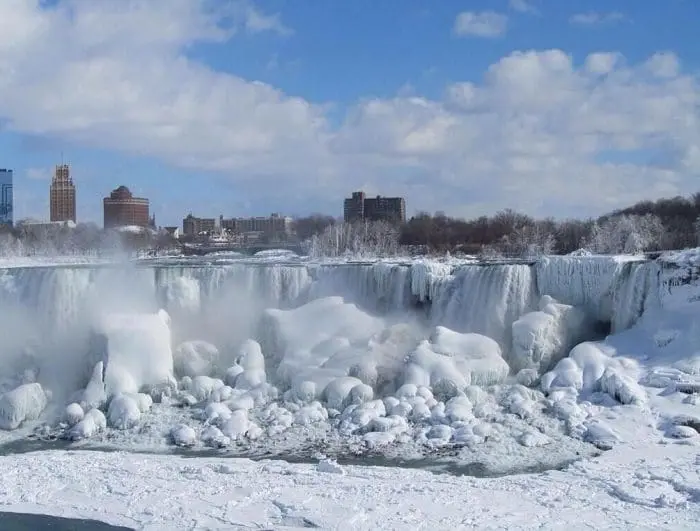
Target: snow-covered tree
x,y
355,239
627,234
697,228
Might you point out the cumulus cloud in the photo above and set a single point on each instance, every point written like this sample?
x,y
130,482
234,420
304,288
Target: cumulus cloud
x,y
542,131
593,18
487,24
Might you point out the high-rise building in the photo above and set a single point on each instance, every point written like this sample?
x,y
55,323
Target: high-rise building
x,y
354,207
6,197
359,207
62,195
122,209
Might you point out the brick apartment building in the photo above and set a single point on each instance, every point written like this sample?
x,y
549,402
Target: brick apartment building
x,y
359,207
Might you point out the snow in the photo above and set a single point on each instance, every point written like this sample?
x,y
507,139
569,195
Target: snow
x,y
652,487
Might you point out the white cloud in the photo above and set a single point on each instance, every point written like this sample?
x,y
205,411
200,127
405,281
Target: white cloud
x,y
543,131
593,18
487,24
522,6
601,63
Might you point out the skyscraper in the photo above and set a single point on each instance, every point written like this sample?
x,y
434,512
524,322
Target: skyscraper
x,y
62,195
6,197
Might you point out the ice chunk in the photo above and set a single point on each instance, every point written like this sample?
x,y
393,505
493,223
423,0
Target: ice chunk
x,y
236,426
124,412
622,388
196,358
216,412
138,352
337,393
93,422
73,414
250,356
23,403
232,375
203,386
213,436
183,435
330,466
94,395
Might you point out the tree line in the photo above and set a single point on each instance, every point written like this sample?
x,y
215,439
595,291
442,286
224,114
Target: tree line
x,y
669,223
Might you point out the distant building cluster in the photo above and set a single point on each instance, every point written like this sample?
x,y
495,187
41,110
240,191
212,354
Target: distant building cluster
x,y
359,207
248,230
122,209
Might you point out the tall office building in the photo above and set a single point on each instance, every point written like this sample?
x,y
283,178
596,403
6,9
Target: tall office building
x,y
62,195
121,208
6,197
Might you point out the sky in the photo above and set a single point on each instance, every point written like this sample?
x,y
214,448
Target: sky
x,y
240,107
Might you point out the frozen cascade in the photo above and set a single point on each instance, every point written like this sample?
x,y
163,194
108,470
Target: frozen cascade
x,y
611,289
275,285
485,300
637,290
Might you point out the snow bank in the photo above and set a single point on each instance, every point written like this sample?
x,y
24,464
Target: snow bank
x,y
138,352
542,338
26,402
449,362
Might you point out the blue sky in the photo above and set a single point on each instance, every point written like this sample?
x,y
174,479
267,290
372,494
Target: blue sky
x,y
237,107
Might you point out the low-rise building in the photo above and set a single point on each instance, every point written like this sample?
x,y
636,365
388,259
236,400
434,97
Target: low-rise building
x,y
193,226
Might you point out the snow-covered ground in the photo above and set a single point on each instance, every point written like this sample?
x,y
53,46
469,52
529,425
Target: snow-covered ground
x,y
642,486
585,369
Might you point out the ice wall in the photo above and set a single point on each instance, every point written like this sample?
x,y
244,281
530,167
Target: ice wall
x,y
52,309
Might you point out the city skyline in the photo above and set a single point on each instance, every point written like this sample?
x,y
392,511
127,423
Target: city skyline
x,y
565,109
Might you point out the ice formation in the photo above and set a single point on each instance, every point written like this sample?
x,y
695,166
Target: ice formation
x,y
24,403
542,338
358,357
138,352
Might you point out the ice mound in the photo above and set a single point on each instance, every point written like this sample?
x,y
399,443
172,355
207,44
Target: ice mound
x,y
196,358
542,338
449,361
591,368
183,435
125,410
138,353
23,403
93,422
300,344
